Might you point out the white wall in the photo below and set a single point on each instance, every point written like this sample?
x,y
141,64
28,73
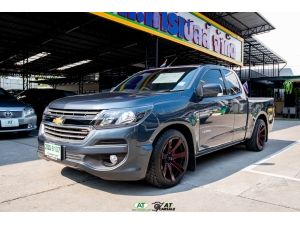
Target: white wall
x,y
13,83
87,88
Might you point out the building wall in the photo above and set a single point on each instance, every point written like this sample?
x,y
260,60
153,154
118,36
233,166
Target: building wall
x,y
87,88
13,83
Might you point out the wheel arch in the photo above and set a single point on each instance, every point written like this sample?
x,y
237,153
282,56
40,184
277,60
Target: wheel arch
x,y
185,130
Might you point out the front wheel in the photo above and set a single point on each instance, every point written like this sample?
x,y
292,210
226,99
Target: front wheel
x,y
169,160
259,137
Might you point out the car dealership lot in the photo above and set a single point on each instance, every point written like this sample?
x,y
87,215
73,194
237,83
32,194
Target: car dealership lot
x,y
231,180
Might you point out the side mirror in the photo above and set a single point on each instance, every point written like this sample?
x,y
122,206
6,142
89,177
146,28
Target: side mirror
x,y
212,90
199,91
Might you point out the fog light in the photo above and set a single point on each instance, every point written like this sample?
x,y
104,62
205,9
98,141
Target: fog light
x,y
30,126
113,159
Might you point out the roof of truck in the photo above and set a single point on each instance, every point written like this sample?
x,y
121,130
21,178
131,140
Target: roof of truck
x,y
182,66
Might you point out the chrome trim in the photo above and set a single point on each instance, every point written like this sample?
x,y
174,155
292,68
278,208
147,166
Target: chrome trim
x,y
77,113
75,133
52,128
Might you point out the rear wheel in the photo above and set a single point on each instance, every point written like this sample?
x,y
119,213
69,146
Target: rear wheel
x,y
169,160
259,137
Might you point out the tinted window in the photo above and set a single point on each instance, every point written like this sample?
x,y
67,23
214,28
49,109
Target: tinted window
x,y
232,82
213,76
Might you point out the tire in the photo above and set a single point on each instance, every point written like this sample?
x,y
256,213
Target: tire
x,y
259,136
169,160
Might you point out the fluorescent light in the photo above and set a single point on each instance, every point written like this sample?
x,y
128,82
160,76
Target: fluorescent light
x,y
68,66
32,58
140,65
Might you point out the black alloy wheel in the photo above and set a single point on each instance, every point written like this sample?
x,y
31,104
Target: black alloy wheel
x,y
259,137
169,159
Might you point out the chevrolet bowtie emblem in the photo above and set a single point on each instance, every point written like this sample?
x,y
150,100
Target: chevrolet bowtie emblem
x,y
58,121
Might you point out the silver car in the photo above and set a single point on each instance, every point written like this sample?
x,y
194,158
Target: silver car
x,y
15,116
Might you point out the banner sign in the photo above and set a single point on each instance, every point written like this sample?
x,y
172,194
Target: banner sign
x,y
193,30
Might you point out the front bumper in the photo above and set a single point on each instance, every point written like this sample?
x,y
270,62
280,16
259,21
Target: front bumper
x,y
25,124
88,155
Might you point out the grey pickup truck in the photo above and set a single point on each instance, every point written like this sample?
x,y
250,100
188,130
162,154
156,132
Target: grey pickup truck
x,y
155,124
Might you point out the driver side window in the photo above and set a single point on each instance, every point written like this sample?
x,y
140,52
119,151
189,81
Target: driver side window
x,y
212,77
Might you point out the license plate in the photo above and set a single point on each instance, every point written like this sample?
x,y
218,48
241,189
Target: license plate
x,y
53,151
9,122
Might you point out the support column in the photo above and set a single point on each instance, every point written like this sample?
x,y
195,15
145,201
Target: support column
x,y
249,57
146,57
156,53
263,64
99,83
25,71
80,84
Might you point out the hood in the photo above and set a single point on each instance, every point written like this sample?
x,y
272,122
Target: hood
x,y
114,100
11,102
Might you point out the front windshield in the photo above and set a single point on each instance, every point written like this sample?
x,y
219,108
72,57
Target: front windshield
x,y
160,80
4,94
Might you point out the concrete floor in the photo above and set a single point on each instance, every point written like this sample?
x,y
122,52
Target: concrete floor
x,y
230,180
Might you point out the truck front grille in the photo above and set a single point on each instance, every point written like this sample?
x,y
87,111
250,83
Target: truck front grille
x,y
73,113
11,114
66,132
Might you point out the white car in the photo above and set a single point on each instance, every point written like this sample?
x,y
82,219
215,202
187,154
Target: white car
x,y
15,116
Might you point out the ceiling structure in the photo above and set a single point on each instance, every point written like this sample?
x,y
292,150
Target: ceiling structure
x,y
244,24
78,44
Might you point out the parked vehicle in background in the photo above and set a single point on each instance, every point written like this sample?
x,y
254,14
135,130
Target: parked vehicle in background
x,y
15,116
40,98
154,124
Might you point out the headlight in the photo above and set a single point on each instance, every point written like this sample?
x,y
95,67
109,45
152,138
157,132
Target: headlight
x,y
121,117
28,111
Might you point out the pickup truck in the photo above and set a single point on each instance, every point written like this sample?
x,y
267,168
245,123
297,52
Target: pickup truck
x,y
155,124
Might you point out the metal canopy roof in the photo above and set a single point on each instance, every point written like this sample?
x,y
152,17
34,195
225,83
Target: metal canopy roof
x,y
245,24
114,49
73,37
260,54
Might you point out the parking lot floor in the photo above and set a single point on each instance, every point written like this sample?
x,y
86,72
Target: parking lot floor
x,y
233,179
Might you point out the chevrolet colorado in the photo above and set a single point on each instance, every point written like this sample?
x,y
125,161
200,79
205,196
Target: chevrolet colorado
x,y
155,124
